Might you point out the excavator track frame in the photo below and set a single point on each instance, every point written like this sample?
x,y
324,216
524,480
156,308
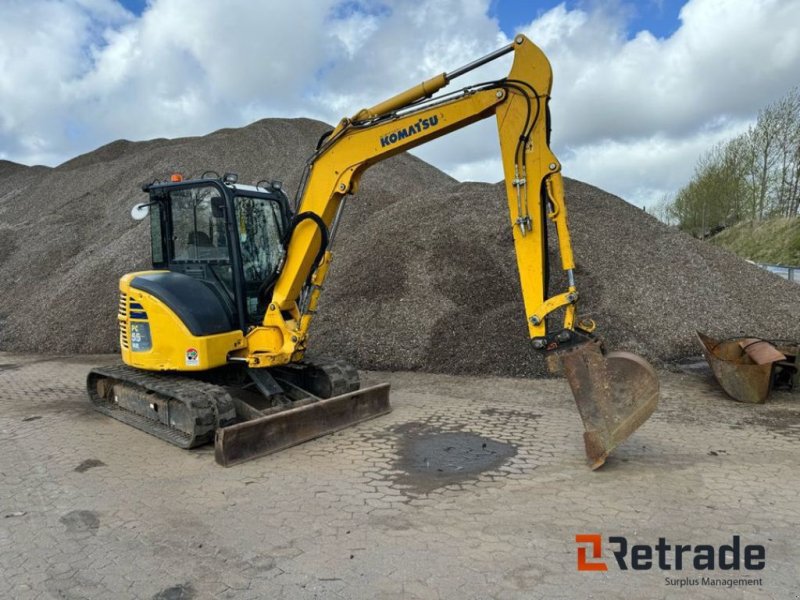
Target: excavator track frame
x,y
208,406
309,400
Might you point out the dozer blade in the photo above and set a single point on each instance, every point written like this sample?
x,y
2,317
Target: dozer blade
x,y
615,394
278,431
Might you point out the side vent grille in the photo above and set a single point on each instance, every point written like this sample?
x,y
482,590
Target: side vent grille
x,y
137,311
123,321
123,335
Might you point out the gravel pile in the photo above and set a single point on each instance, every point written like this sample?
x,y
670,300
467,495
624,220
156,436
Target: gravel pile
x,y
66,234
8,168
424,275
431,284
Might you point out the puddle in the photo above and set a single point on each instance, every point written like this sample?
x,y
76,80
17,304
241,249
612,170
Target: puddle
x,y
511,413
783,421
176,592
90,463
434,459
79,521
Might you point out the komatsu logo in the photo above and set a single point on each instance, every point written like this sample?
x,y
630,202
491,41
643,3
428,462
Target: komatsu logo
x,y
411,130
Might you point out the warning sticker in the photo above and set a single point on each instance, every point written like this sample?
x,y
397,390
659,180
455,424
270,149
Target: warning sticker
x,y
192,357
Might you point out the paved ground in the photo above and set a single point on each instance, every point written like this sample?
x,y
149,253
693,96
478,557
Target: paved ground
x,y
90,508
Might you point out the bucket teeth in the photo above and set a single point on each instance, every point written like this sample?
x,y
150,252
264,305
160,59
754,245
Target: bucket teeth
x,y
615,394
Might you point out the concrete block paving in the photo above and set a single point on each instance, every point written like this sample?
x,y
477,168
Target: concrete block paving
x,y
470,488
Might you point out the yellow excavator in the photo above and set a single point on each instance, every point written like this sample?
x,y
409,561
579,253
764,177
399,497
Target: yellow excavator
x,y
213,338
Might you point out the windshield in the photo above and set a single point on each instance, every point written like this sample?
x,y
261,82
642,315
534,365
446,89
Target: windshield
x,y
198,225
198,244
260,230
198,240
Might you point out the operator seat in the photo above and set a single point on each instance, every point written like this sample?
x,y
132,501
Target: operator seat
x,y
199,239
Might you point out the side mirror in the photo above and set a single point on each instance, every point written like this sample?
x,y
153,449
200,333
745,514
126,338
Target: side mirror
x,y
140,211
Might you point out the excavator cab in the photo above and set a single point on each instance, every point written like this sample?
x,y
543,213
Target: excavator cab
x,y
228,236
216,248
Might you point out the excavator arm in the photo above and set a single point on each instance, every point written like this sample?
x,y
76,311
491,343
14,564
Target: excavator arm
x,y
532,173
200,362
615,392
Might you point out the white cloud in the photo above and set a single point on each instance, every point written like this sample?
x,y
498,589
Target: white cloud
x,y
645,169
43,47
727,58
633,115
629,114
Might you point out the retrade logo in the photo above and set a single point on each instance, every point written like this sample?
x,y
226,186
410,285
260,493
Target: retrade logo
x,y
595,546
666,556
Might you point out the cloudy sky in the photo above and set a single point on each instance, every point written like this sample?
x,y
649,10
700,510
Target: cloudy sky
x,y
641,88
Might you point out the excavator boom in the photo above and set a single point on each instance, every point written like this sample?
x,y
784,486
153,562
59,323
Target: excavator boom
x,y
615,392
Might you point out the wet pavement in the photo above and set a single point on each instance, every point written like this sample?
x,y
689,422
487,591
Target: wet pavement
x,y
470,488
433,459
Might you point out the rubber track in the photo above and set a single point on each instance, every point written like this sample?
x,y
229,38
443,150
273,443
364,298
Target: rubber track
x,y
343,376
211,404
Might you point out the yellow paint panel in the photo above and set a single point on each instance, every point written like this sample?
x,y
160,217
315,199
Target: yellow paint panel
x,y
174,348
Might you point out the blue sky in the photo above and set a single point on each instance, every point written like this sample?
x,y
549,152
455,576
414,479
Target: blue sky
x,y
659,17
135,6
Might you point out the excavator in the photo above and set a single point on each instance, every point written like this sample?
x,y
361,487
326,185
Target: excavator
x,y
213,338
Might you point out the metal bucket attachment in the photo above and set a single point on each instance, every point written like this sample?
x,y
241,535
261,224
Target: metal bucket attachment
x,y
280,430
742,366
615,394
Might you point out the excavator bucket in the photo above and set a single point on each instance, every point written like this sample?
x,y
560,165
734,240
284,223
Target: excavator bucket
x,y
615,394
743,367
266,432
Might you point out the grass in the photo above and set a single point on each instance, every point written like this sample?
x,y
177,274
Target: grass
x,y
774,241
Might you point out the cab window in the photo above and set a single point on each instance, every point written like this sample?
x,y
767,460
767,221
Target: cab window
x,y
198,225
260,229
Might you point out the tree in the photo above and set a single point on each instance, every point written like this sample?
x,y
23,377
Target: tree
x,y
714,196
787,114
751,177
662,210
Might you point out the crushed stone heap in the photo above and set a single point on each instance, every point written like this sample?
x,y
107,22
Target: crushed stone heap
x,y
423,278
